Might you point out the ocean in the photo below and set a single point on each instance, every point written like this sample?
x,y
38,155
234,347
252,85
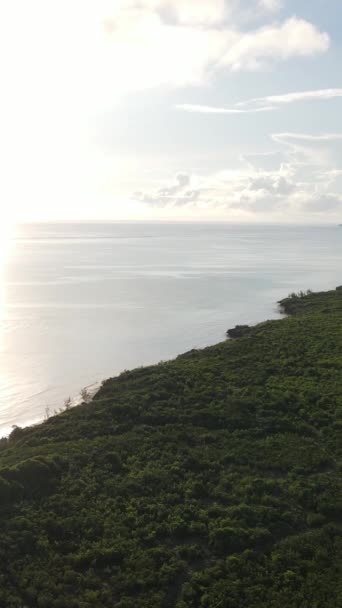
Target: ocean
x,y
80,302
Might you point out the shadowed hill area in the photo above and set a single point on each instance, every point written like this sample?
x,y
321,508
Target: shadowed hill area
x,y
210,481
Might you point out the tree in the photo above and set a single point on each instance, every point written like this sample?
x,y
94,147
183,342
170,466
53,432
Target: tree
x,y
86,397
67,403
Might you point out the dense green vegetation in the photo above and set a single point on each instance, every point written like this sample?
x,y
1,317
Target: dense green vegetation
x,y
211,481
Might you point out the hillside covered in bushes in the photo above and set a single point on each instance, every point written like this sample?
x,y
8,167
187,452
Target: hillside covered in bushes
x,y
210,481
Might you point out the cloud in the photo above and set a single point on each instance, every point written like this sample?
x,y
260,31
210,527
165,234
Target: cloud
x,y
323,203
272,183
114,47
289,138
178,43
64,64
189,11
320,150
247,189
182,181
293,188
188,107
271,5
178,193
333,173
204,12
293,38
264,104
293,97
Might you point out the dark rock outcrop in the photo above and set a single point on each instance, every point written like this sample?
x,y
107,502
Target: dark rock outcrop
x,y
238,331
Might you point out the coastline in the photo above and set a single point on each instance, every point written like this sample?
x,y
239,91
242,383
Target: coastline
x,y
222,455
91,390
148,295
286,307
50,411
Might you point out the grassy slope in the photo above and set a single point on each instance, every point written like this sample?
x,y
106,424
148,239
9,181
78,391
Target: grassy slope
x,y
210,481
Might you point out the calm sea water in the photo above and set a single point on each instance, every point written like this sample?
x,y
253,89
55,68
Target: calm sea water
x,y
81,302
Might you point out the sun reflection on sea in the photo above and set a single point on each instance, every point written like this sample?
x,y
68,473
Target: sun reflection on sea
x,y
6,243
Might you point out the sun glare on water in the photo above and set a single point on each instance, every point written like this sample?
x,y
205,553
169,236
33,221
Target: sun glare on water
x,y
6,240
6,235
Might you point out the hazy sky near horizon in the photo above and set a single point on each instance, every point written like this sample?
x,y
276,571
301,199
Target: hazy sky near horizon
x,y
175,109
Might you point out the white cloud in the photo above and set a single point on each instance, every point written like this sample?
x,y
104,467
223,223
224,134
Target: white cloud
x,y
264,104
306,137
293,38
319,150
177,193
203,12
333,173
144,48
188,107
246,191
271,5
64,63
273,183
295,188
293,97
84,54
323,203
190,11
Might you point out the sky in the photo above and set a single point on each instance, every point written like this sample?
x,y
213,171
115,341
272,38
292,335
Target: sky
x,y
171,109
